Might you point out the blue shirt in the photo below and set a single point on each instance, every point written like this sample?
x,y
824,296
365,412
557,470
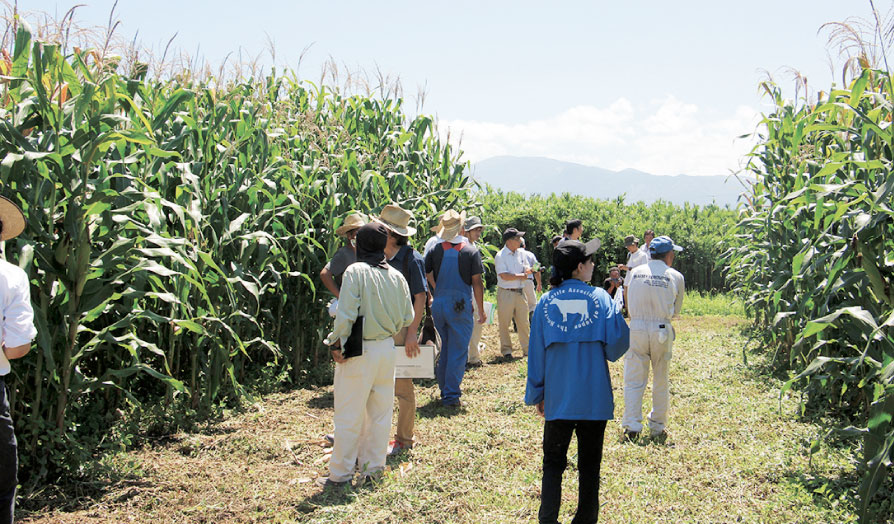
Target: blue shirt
x,y
575,329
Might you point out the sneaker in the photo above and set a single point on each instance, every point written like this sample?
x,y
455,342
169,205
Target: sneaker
x,y
506,358
630,436
325,483
660,436
395,448
453,406
470,365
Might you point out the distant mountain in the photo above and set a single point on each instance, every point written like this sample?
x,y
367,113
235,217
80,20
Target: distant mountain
x,y
537,175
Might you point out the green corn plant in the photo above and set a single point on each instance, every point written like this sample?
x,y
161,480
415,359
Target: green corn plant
x,y
815,260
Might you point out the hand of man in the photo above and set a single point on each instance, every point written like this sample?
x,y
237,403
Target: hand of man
x,y
540,409
540,288
482,317
337,356
411,347
622,267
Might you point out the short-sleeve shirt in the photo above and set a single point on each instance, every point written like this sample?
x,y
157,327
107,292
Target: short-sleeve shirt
x,y
412,266
637,258
18,315
508,262
469,261
343,258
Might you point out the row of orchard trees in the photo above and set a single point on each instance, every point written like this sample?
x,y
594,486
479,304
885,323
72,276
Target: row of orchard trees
x,y
175,228
816,261
701,230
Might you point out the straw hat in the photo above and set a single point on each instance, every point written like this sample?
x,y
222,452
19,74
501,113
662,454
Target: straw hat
x,y
451,224
352,222
12,217
396,219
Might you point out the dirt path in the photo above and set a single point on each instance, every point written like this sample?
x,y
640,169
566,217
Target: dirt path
x,y
731,456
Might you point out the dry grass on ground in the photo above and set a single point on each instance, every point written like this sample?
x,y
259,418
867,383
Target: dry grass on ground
x,y
735,454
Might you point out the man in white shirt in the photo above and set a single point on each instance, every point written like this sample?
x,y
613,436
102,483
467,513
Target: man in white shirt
x,y
511,276
635,257
648,235
17,331
655,291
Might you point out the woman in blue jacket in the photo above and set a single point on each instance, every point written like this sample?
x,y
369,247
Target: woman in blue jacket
x,y
576,329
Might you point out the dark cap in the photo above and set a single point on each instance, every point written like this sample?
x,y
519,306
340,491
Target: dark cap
x,y
629,240
512,233
569,253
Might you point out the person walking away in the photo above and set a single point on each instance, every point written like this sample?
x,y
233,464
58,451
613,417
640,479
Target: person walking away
x,y
531,289
454,269
511,276
473,229
376,295
576,329
405,259
656,295
17,333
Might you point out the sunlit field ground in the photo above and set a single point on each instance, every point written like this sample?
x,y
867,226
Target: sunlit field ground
x,y
735,453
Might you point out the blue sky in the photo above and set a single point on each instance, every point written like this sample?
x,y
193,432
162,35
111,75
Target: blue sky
x,y
660,86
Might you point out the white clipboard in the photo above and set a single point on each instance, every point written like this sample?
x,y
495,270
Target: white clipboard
x,y
420,366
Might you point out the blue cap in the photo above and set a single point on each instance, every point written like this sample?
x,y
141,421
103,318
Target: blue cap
x,y
663,244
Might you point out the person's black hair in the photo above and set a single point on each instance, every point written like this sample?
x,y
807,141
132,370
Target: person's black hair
x,y
556,239
659,256
400,240
613,268
571,225
648,232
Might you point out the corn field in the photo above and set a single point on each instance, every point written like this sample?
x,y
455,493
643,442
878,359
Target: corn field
x,y
176,228
816,260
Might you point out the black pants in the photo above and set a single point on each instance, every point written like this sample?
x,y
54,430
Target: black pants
x,y
556,437
8,459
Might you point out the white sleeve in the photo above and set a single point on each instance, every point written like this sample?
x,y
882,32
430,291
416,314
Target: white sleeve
x,y
18,315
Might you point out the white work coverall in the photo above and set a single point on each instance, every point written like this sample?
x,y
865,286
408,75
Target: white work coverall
x,y
654,295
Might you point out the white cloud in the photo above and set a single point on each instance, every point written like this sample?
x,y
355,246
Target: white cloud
x,y
663,136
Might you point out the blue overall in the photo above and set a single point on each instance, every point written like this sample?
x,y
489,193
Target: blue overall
x,y
452,313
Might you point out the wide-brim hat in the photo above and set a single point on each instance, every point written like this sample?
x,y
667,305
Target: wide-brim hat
x,y
353,221
451,224
396,219
12,217
473,223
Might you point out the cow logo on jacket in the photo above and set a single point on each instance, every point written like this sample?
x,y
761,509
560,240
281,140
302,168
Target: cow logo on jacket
x,y
570,309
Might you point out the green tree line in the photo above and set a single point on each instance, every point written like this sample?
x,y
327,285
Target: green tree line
x,y
701,230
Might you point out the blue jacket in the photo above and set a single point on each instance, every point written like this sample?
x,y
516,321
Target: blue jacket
x,y
575,329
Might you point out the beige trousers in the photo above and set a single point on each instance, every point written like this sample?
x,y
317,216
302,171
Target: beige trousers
x,y
530,294
474,352
512,304
406,400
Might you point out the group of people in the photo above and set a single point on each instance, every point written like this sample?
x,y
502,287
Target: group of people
x,y
569,335
382,288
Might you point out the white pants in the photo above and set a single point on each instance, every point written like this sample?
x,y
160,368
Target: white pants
x,y
364,403
475,346
646,348
530,294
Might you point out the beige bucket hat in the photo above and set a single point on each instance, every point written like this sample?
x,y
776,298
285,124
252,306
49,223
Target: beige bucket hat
x,y
451,224
353,221
396,219
12,217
